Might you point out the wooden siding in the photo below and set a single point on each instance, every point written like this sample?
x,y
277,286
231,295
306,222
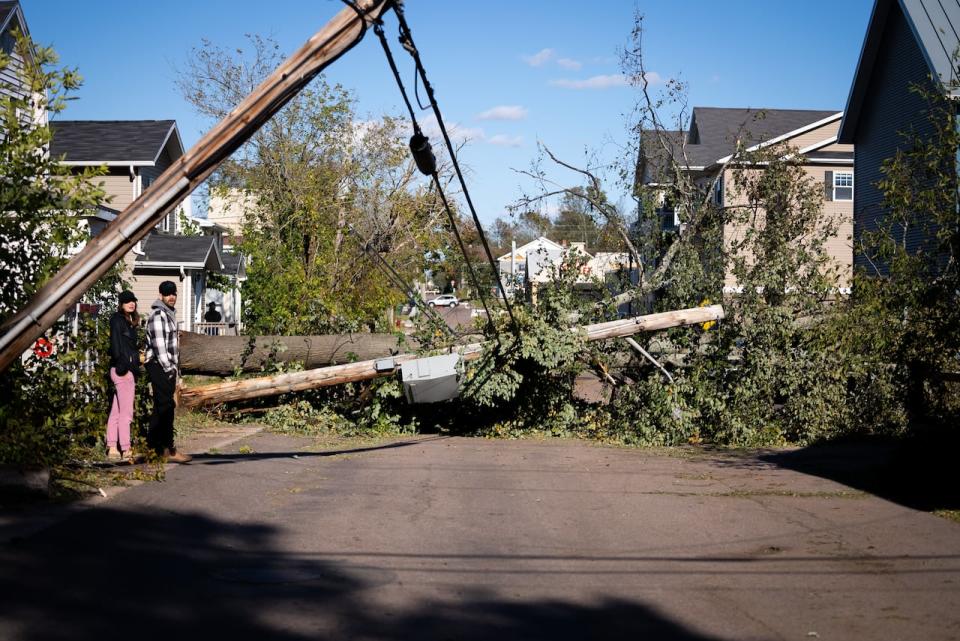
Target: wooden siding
x,y
815,136
119,187
835,147
838,246
11,76
145,284
890,109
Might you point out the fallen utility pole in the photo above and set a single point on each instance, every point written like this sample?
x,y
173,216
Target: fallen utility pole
x,y
339,35
364,370
225,355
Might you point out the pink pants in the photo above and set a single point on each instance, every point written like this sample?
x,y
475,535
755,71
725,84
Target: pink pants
x,y
121,413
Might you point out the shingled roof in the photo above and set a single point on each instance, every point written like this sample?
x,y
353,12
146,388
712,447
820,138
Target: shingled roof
x,y
232,263
714,132
113,142
198,252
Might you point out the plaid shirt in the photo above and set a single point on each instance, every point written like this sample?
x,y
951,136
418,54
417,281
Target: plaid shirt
x,y
163,341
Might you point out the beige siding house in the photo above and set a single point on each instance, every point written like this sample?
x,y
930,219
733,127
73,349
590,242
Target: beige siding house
x,y
714,134
135,153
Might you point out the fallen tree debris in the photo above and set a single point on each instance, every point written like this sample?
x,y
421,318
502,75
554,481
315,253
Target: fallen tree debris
x,y
365,370
226,355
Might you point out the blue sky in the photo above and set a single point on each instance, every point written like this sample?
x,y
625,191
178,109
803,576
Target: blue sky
x,y
507,73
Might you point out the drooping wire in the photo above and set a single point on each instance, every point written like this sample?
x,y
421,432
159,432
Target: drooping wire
x,y
432,172
399,281
406,40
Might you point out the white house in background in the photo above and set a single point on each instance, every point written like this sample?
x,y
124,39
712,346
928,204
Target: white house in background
x,y
228,208
604,263
515,263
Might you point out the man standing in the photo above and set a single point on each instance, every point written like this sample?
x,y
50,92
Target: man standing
x,y
162,363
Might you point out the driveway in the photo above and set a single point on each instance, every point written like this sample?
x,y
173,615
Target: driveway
x,y
455,538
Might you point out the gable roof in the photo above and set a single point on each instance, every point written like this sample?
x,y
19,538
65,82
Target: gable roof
x,y
195,252
114,142
935,25
10,12
233,264
535,244
714,131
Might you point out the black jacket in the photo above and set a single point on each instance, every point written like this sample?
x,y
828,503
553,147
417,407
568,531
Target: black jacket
x,y
124,354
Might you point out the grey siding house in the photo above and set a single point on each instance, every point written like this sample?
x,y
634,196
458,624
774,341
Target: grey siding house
x,y
909,43
12,82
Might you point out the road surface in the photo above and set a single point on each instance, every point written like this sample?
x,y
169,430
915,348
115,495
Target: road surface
x,y
470,539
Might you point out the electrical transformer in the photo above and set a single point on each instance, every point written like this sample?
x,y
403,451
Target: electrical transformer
x,y
433,379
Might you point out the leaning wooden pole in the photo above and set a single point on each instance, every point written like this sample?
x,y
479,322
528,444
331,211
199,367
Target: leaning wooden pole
x,y
365,370
183,176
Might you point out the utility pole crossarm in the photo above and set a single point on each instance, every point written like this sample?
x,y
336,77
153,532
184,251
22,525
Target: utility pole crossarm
x,y
176,183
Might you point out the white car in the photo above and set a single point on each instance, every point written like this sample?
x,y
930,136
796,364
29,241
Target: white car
x,y
447,300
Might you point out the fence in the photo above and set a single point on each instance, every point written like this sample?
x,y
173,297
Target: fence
x,y
217,329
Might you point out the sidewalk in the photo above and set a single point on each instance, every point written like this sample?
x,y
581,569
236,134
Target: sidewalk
x,y
28,518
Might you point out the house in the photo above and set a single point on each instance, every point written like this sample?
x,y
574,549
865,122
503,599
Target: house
x,y
135,153
514,262
714,134
229,208
12,81
909,43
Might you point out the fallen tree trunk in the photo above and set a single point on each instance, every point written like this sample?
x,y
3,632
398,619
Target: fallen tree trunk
x,y
225,355
365,370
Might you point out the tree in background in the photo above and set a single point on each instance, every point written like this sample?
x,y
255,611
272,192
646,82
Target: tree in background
x,y
314,171
52,404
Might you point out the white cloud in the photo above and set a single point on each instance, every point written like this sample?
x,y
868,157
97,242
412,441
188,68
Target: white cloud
x,y
596,82
540,58
458,133
504,112
569,63
504,140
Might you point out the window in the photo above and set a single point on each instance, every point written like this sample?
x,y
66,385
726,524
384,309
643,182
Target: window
x,y
843,185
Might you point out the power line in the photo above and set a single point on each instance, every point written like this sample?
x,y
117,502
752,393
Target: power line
x,y
406,40
426,163
398,280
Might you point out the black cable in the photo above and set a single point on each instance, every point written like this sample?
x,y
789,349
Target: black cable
x,y
406,39
378,29
399,281
463,249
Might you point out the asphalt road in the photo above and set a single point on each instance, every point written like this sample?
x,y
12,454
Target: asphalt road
x,y
463,539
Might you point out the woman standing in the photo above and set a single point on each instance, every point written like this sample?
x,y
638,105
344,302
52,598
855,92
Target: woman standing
x,y
124,367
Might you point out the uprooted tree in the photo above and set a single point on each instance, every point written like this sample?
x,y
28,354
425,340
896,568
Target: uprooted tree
x,y
767,374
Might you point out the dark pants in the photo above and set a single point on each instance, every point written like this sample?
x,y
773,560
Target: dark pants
x,y
160,434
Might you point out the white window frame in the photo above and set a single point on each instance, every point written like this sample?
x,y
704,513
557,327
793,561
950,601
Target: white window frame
x,y
718,192
836,184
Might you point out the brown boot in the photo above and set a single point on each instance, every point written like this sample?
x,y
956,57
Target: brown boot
x,y
113,454
176,457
